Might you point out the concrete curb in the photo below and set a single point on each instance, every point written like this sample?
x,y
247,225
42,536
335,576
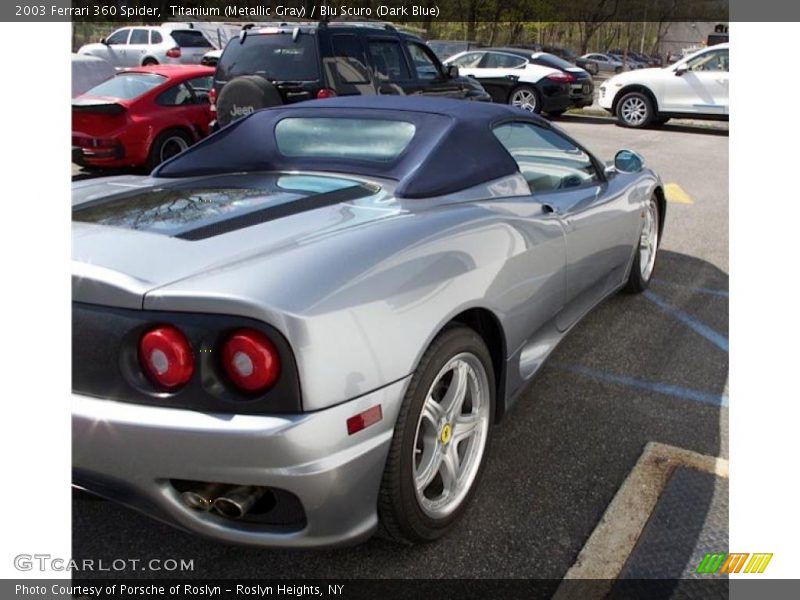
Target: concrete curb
x,y
607,549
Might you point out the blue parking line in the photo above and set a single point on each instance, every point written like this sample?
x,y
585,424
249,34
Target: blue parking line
x,y
699,290
719,340
650,386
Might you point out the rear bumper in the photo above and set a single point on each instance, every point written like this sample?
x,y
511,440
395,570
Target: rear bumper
x,y
85,155
556,103
130,453
582,94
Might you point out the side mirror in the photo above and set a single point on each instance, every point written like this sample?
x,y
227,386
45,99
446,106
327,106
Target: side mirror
x,y
452,71
628,161
680,71
103,41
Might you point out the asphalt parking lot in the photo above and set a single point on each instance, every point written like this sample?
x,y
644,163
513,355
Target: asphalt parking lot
x,y
638,369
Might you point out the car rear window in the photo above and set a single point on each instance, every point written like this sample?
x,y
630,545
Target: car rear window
x,y
181,210
190,38
273,56
375,140
127,86
551,60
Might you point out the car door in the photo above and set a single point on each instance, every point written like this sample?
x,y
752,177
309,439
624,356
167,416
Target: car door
x,y
346,68
599,221
180,106
498,73
389,65
116,47
138,44
199,112
430,78
603,64
698,85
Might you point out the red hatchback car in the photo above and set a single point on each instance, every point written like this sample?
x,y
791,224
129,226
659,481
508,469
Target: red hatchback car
x,y
142,116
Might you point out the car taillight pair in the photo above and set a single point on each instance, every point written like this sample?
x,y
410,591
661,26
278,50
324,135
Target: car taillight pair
x,y
174,52
249,359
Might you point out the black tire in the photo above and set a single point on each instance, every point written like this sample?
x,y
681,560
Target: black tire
x,y
635,110
637,281
401,517
166,145
617,70
149,61
660,120
533,94
244,95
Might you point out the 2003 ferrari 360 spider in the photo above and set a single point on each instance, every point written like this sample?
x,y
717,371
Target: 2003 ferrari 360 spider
x,y
303,328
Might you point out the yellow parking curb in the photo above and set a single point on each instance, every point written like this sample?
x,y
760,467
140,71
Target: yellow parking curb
x,y
676,195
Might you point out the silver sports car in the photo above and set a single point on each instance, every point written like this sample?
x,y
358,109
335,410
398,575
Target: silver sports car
x,y
304,328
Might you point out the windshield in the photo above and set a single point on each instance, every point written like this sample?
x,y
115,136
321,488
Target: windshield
x,y
273,56
189,38
127,86
356,139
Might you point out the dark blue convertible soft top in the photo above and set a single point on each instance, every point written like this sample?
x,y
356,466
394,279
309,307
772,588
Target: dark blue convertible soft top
x,y
453,147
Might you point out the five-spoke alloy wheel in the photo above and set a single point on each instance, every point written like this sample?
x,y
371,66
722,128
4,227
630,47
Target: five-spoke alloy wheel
x,y
440,439
645,260
451,435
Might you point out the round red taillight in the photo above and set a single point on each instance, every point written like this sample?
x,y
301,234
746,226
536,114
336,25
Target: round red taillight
x,y
166,357
250,360
323,93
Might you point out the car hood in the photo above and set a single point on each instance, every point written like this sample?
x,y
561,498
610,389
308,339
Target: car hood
x,y
119,265
635,76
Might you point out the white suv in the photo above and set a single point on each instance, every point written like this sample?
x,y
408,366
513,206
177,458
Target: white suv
x,y
695,87
142,46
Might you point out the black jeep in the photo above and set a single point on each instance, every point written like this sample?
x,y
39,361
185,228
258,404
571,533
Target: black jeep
x,y
285,63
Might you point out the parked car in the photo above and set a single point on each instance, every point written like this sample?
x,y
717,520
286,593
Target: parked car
x,y
604,63
211,58
357,289
587,65
696,87
627,60
581,91
88,71
141,116
143,46
284,64
444,49
511,76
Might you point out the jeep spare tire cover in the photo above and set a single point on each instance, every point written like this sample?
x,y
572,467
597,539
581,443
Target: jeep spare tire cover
x,y
243,95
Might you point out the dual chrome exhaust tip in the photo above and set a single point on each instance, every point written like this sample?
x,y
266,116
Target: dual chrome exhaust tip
x,y
229,501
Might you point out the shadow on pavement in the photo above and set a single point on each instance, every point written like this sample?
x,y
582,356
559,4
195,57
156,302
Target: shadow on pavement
x,y
675,125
